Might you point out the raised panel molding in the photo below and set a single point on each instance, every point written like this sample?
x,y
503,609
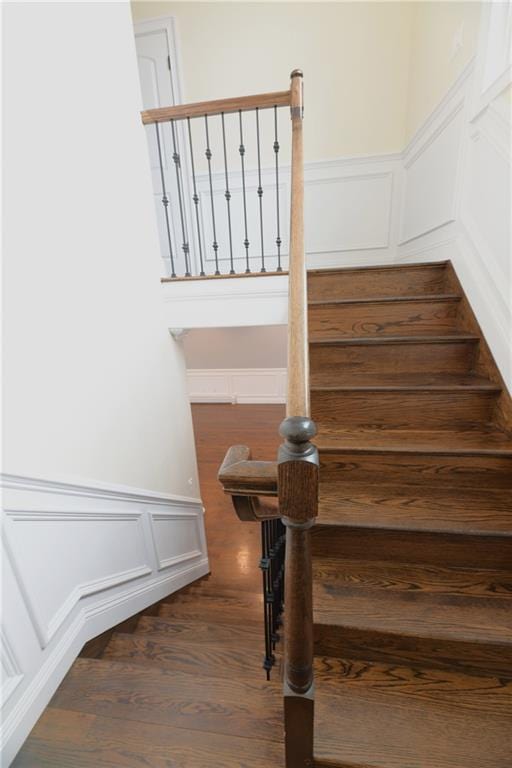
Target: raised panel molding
x,y
185,542
12,674
140,546
431,178
237,385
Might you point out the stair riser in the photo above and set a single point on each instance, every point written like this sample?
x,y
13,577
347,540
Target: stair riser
x,y
469,657
450,357
418,469
401,409
382,319
405,281
435,549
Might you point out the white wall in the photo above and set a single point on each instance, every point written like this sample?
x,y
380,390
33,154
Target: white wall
x,y
456,200
102,511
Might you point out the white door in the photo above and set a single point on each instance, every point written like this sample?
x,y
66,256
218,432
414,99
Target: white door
x,y
153,40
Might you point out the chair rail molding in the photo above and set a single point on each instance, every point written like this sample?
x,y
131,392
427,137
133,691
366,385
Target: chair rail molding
x,y
78,558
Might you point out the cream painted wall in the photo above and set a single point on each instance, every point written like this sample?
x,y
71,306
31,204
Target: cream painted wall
x,y
444,37
354,55
253,347
94,386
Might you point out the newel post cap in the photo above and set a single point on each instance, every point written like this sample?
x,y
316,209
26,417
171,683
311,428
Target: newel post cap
x,y
297,73
297,429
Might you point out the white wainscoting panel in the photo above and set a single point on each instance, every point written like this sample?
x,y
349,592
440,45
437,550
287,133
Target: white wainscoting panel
x,y
237,385
78,559
456,204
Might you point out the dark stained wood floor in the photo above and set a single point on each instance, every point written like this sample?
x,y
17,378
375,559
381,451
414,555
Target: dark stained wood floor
x,y
184,688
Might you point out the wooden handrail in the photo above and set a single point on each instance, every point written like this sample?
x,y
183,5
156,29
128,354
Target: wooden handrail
x,y
246,481
297,403
298,468
217,107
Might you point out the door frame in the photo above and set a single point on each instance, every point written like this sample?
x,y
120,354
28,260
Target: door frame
x,y
168,23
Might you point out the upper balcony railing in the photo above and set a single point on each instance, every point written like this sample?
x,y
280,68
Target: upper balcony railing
x,y
203,152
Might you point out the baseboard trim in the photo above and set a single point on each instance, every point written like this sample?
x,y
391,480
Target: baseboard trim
x,y
237,385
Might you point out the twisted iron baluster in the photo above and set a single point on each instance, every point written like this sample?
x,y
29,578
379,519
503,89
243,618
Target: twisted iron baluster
x,y
208,154
195,198
260,189
241,149
276,152
227,195
179,183
165,200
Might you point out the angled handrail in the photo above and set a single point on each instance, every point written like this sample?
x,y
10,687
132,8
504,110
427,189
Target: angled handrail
x,y
217,107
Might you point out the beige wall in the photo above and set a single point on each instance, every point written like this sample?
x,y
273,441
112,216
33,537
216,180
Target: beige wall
x,y
94,386
434,64
354,56
254,347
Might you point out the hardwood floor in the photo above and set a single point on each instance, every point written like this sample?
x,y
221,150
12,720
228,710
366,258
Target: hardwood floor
x,y
184,686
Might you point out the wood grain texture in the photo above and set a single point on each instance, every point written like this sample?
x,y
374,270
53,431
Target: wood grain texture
x,y
364,282
416,316
216,107
373,720
68,739
412,549
297,398
448,354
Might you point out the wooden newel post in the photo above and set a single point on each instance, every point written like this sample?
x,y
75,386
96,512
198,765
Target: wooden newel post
x,y
298,501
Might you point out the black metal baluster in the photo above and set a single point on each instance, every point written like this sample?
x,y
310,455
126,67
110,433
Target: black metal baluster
x,y
276,152
195,198
241,149
165,200
179,183
268,660
227,195
260,189
208,154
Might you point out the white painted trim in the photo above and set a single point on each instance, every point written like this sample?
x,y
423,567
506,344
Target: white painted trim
x,y
93,489
237,385
105,588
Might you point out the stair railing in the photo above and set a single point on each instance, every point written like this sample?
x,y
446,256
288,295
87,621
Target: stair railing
x,y
298,475
293,479
200,154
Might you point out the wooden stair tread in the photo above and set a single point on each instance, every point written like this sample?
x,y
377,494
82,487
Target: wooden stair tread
x,y
414,601
197,631
200,659
432,338
421,266
69,739
469,511
382,716
402,382
229,705
422,297
482,440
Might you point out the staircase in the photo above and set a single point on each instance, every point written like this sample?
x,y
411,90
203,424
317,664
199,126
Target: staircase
x,y
412,551
412,565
